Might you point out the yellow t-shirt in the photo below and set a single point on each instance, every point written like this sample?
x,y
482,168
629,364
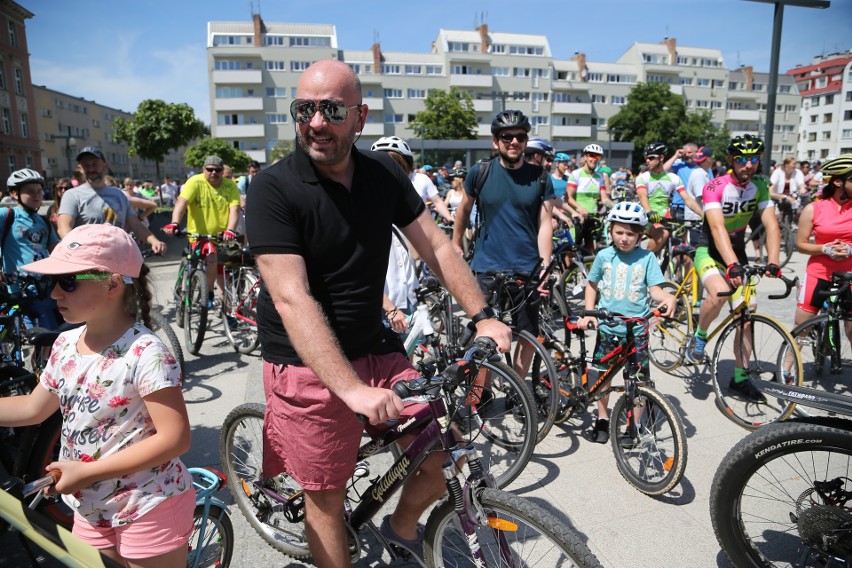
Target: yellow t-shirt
x,y
209,207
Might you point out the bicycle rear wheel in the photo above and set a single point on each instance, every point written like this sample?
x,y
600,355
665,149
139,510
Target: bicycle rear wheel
x,y
667,336
241,305
217,548
826,357
655,460
788,243
164,331
241,455
541,378
501,424
773,351
195,318
764,503
515,527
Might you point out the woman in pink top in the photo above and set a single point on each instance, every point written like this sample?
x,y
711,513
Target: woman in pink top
x,y
829,219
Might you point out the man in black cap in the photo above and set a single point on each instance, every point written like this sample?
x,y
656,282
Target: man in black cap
x,y
96,202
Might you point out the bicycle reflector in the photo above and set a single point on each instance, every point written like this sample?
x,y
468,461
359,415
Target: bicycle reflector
x,y
502,524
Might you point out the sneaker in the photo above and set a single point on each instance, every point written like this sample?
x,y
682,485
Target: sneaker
x,y
695,349
747,391
409,547
600,433
626,441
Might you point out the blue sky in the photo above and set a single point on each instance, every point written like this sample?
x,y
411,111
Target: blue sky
x,y
121,53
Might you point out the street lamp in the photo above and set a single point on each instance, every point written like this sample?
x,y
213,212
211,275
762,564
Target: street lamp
x,y
69,141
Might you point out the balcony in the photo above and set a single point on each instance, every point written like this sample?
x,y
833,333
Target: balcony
x,y
483,130
572,131
374,103
373,129
240,131
257,155
572,108
470,80
483,105
676,89
241,77
743,115
238,103
565,85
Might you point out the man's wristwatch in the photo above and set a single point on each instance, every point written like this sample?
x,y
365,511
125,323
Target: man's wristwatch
x,y
485,313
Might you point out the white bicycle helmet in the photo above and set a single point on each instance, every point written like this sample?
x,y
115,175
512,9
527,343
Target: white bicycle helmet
x,y
392,144
23,177
626,212
593,149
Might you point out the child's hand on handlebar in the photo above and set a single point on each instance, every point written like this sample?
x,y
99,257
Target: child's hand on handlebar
x,y
586,322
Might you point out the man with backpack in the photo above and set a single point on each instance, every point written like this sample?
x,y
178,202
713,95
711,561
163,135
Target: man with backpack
x,y
514,201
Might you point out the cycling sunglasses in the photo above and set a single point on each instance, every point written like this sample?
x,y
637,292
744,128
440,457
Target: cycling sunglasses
x,y
333,112
743,160
68,282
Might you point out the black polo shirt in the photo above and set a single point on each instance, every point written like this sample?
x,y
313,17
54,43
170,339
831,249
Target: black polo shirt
x,y
344,237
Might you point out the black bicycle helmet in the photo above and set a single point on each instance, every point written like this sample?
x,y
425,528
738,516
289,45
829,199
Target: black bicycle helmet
x,y
458,173
510,119
745,145
656,149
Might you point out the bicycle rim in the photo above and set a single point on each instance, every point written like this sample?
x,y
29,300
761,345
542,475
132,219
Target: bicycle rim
x,y
217,548
195,318
773,351
241,455
654,461
820,352
764,505
541,380
531,535
668,336
242,306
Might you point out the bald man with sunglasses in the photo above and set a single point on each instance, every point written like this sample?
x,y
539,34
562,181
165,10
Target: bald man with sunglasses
x,y
319,222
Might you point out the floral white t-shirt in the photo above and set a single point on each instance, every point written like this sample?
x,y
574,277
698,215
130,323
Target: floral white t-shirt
x,y
100,397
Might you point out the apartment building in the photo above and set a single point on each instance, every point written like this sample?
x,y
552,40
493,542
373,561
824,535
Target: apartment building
x,y
826,118
254,68
19,143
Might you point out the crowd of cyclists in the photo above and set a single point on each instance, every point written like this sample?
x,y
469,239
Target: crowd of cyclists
x,y
501,215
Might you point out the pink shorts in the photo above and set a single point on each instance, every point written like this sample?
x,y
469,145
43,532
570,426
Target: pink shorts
x,y
310,433
162,529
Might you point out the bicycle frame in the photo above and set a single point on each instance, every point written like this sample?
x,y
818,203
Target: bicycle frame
x,y
247,301
205,481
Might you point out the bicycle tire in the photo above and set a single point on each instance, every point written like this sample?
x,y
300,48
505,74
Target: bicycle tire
x,y
655,462
775,345
812,337
534,526
541,379
163,329
243,336
763,482
178,293
45,450
788,243
195,318
241,456
553,313
667,337
218,547
503,429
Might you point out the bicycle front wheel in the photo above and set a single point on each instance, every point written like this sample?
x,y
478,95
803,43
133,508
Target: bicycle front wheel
x,y
195,316
668,335
826,357
654,461
241,313
541,378
164,331
769,502
517,533
217,547
772,355
241,455
180,288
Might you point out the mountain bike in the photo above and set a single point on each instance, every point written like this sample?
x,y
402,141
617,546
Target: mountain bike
x,y
475,525
783,495
646,432
239,308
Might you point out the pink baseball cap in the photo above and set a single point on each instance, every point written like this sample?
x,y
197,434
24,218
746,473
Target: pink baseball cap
x,y
104,248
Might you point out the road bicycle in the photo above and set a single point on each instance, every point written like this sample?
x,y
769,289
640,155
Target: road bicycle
x,y
190,290
824,340
475,525
782,496
787,230
239,308
677,254
757,343
646,432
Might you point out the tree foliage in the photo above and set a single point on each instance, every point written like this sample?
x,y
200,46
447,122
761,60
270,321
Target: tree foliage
x,y
654,114
281,149
448,115
157,128
195,155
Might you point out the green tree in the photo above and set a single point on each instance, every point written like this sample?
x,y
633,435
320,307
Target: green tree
x,y
157,128
448,115
237,159
281,149
654,114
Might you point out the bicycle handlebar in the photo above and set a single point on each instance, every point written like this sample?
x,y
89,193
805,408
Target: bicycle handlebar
x,y
751,270
51,478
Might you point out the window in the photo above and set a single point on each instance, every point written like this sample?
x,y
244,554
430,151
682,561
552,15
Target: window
x,y
19,81
275,65
829,99
500,71
733,85
815,101
716,104
273,40
652,58
13,163
388,69
233,92
735,105
813,119
812,137
525,50
3,79
826,118
717,83
847,115
392,94
413,70
227,65
464,70
683,60
297,41
826,135
393,118
848,93
276,92
13,35
785,89
661,79
231,40
598,122
356,67
276,118
595,77
687,103
522,72
686,81
599,99
702,104
456,46
758,87
434,70
7,121
699,82
789,108
541,73
618,100
416,93
96,124
616,78
299,65
538,120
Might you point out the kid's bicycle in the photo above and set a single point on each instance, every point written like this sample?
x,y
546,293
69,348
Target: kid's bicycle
x,y
476,525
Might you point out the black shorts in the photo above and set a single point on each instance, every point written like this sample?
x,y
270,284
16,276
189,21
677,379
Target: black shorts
x,y
524,316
